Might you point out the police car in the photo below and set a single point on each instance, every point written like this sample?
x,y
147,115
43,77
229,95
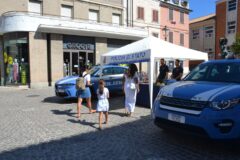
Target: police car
x,y
112,75
205,102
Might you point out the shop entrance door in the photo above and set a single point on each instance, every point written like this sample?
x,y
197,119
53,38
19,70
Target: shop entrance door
x,y
71,63
74,61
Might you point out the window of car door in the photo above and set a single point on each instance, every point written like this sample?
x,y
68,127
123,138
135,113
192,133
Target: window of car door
x,y
118,70
107,71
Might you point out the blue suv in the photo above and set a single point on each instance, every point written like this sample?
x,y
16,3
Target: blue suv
x,y
111,74
205,102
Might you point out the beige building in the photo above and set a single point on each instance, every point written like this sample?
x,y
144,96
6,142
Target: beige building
x,y
202,34
144,14
44,40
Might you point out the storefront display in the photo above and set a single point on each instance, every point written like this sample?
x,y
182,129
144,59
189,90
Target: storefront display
x,y
15,57
78,52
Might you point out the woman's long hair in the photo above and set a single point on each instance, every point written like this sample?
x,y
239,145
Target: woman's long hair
x,y
101,84
132,69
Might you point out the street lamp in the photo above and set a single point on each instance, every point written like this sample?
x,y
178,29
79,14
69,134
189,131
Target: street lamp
x,y
165,29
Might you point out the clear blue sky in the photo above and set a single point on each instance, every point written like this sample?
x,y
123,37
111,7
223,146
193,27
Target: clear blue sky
x,y
201,8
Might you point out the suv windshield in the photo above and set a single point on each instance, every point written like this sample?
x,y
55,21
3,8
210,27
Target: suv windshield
x,y
216,72
93,70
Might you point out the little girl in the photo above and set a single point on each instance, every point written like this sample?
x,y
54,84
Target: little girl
x,y
103,104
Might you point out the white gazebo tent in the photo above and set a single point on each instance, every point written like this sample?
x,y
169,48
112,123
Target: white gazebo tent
x,y
147,50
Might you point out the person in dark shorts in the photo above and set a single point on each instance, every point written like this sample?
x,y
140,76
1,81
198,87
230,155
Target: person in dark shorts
x,y
177,71
163,75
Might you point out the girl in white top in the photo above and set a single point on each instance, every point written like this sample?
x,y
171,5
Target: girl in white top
x,y
102,104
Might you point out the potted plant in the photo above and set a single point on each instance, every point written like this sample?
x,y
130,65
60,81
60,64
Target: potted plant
x,y
184,3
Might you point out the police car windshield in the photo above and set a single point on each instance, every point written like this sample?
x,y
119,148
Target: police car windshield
x,y
94,70
216,72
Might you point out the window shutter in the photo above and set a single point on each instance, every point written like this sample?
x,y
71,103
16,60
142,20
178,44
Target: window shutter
x,y
35,7
66,11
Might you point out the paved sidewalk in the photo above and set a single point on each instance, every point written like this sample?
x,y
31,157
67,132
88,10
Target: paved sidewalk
x,y
36,125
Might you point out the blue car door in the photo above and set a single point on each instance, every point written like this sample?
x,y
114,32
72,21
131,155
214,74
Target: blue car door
x,y
107,74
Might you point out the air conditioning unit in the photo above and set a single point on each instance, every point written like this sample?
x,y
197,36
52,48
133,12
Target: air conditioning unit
x,y
173,22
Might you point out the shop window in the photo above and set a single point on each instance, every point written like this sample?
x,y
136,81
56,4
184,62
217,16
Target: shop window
x,y
35,6
94,15
232,5
155,16
16,61
116,20
140,13
66,11
231,27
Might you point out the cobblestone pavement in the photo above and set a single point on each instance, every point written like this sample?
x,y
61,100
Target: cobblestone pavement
x,y
36,125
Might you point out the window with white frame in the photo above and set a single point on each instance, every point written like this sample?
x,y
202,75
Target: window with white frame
x,y
116,19
231,27
208,31
66,11
181,39
35,6
232,5
195,33
94,15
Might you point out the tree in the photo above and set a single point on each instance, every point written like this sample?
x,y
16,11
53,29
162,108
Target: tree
x,y
236,46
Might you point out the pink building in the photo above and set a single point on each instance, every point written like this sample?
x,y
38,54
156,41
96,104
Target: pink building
x,y
175,21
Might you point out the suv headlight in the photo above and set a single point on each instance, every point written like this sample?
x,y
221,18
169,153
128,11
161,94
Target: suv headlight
x,y
159,96
225,104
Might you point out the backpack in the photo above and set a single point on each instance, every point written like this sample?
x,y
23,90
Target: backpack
x,y
80,83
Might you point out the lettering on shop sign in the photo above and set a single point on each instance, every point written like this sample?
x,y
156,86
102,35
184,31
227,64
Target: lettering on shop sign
x,y
78,46
132,57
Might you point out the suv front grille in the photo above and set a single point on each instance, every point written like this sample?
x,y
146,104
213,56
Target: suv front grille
x,y
183,103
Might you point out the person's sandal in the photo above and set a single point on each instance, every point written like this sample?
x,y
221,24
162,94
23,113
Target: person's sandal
x,y
92,111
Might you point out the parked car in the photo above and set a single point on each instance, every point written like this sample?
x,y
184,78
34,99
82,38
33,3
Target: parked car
x,y
205,102
111,74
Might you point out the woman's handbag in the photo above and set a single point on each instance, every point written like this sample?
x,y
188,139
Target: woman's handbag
x,y
132,86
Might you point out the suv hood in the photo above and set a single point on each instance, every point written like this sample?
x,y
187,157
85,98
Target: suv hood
x,y
202,91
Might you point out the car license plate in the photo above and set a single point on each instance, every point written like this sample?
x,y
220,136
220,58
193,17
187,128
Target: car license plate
x,y
61,90
176,118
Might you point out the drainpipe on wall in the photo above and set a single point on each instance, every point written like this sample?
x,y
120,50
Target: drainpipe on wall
x,y
49,59
132,13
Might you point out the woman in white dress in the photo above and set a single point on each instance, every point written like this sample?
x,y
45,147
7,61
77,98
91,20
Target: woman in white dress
x,y
131,87
102,104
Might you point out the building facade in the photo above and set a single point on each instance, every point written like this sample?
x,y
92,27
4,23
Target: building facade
x,y
42,41
175,21
227,22
144,14
202,34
